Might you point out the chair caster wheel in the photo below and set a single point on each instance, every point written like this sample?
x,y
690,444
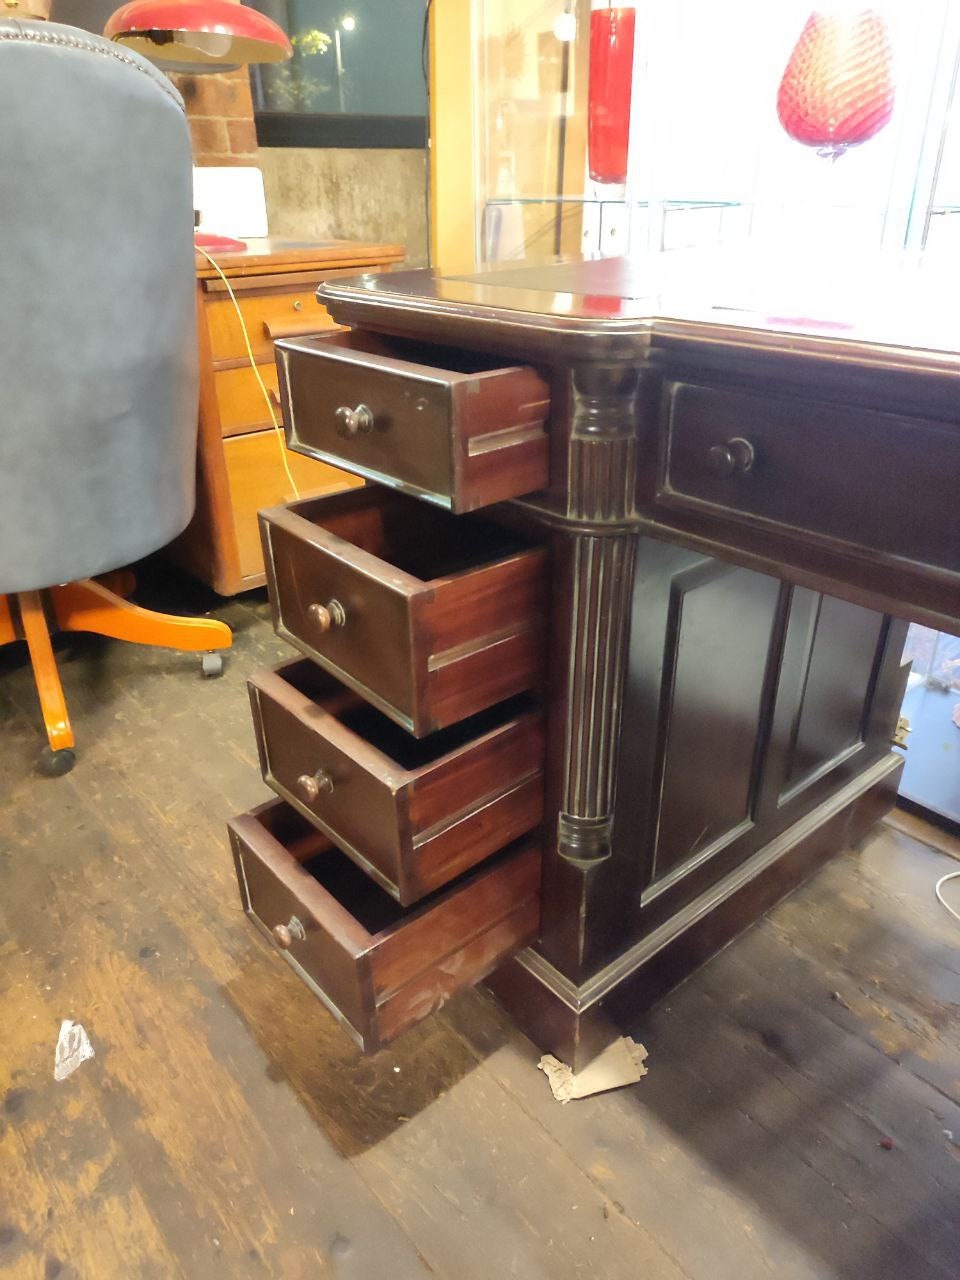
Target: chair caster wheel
x,y
211,665
54,764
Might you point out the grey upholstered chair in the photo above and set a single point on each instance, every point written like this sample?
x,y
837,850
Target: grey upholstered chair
x,y
98,355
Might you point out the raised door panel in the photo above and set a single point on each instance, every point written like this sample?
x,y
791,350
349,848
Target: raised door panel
x,y
841,646
703,664
720,625
840,685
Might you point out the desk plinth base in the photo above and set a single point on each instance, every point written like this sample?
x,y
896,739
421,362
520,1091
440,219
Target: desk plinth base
x,y
575,1023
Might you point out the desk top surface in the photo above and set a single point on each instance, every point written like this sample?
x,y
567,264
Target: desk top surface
x,y
903,316
271,254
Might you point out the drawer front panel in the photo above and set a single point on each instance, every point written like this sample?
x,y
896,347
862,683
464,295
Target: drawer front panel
x,y
372,650
463,439
240,400
828,469
379,968
324,781
275,890
414,814
353,586
289,312
257,478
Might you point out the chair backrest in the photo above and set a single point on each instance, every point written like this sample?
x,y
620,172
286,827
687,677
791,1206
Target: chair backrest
x,y
98,352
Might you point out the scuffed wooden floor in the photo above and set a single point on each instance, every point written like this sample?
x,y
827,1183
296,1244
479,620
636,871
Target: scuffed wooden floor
x,y
227,1128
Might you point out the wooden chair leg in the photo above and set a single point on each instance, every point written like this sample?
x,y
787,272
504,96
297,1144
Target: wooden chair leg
x,y
7,630
49,688
92,606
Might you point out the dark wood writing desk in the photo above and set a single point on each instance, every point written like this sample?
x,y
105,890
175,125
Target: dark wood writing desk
x,y
742,507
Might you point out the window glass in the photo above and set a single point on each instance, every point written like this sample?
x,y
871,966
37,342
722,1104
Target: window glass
x,y
352,58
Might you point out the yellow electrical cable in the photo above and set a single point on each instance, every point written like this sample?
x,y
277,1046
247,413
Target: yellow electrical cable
x,y
253,364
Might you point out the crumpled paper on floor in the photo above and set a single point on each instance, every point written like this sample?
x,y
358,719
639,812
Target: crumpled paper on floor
x,y
73,1048
621,1063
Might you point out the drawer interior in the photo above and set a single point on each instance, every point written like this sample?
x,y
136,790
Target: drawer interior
x,y
431,356
373,909
419,540
349,888
384,734
377,966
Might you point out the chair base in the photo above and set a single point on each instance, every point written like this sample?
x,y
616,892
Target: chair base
x,y
98,606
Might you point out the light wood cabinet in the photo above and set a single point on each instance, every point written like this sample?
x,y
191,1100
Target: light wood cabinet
x,y
240,454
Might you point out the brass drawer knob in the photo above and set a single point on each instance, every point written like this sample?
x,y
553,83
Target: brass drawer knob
x,y
312,785
327,616
734,457
298,305
284,934
354,422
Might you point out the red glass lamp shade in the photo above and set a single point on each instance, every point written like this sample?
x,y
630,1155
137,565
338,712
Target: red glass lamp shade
x,y
838,88
611,83
198,35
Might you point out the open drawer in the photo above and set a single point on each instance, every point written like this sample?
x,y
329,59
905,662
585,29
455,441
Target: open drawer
x,y
414,813
377,967
428,617
451,426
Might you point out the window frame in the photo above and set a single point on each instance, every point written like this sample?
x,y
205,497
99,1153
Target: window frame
x,y
313,129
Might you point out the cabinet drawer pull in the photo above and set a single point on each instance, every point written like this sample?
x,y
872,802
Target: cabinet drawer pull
x,y
326,616
284,934
736,456
311,785
354,422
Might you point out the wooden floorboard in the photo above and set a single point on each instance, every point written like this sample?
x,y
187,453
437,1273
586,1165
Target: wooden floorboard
x,y
800,1119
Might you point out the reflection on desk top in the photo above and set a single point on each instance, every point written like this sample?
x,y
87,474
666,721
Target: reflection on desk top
x,y
631,305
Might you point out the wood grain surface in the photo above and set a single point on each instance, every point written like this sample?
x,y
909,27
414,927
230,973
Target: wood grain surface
x,y
228,1128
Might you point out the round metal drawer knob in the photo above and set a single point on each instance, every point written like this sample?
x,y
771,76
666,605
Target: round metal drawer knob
x,y
298,305
327,616
354,422
312,785
733,458
284,935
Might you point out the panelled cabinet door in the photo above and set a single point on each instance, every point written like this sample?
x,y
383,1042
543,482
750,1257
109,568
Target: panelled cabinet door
x,y
765,698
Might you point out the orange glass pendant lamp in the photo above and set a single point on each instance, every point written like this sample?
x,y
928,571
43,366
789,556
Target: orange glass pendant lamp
x,y
838,88
198,35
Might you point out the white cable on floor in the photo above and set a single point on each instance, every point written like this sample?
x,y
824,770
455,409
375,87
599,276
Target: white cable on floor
x,y
952,875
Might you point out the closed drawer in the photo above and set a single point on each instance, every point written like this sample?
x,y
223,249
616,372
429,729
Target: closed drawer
x,y
449,426
430,618
240,400
377,967
415,813
833,470
256,476
291,311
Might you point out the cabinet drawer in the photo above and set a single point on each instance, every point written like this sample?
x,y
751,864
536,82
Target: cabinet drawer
x,y
447,425
240,400
834,470
292,311
377,967
257,478
428,617
415,813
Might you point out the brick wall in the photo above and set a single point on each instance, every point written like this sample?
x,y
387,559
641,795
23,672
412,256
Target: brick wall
x,y
220,112
219,105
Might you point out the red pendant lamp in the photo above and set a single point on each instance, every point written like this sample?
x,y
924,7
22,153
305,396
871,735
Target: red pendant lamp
x,y
838,89
610,86
198,35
